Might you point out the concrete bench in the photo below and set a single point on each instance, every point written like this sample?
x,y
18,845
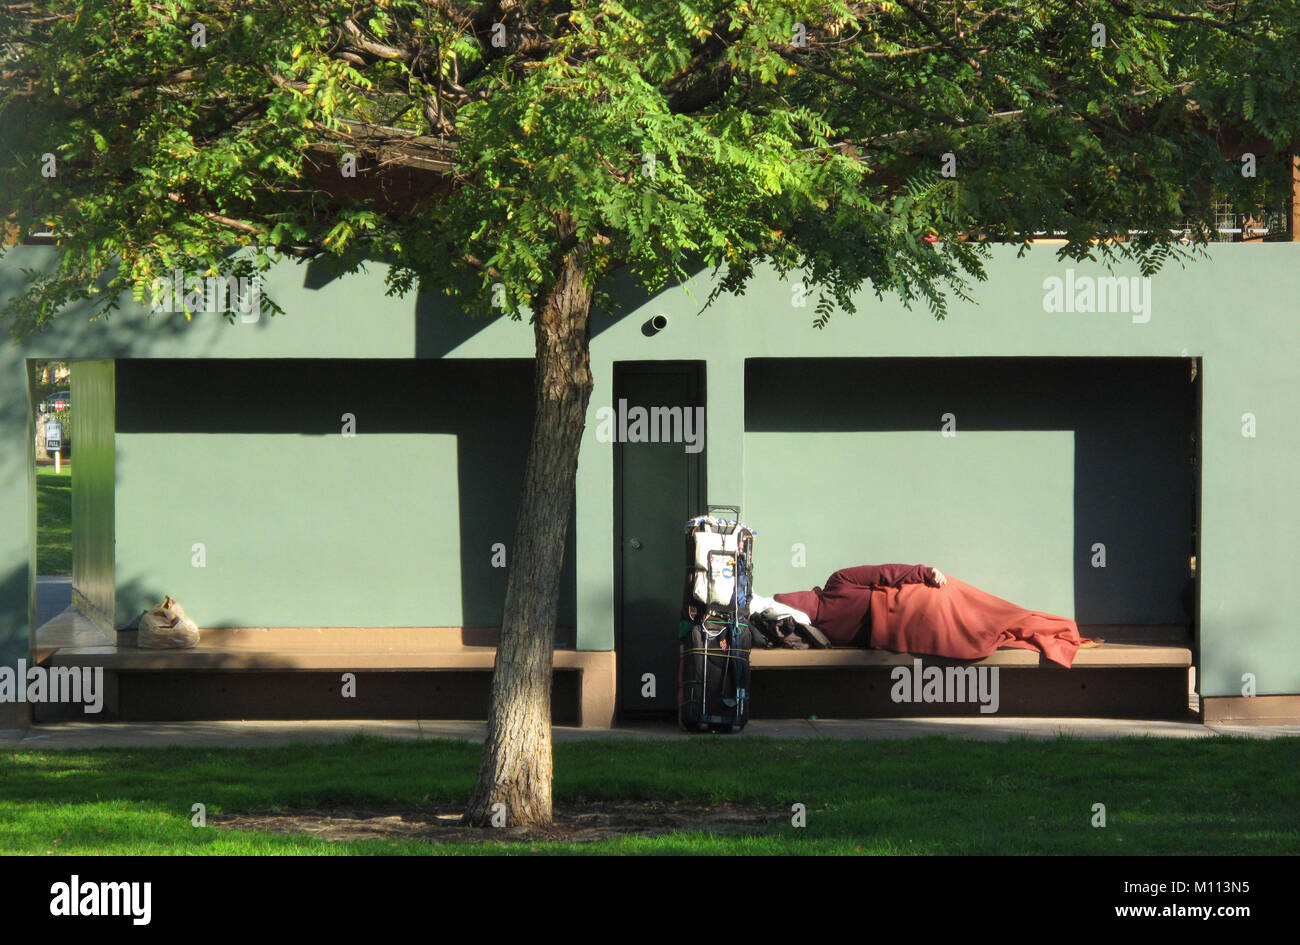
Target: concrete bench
x,y
1108,655
295,672
1138,672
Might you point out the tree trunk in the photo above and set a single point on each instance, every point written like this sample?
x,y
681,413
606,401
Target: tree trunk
x,y
516,768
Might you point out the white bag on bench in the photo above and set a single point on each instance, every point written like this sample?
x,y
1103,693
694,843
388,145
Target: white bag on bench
x,y
166,627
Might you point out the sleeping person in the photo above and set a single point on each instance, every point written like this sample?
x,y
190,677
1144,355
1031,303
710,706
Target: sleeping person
x,y
918,609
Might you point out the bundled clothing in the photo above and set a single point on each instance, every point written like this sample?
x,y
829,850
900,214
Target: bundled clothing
x,y
773,624
901,608
775,610
840,609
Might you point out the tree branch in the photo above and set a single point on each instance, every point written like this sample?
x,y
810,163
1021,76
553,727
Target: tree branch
x,y
1127,9
939,34
231,222
378,50
800,57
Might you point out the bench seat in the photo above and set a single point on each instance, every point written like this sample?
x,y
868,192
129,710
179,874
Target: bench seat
x,y
302,666
1106,656
225,656
208,658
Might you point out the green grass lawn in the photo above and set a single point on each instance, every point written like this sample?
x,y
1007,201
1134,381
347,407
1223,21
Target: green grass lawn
x,y
928,796
53,520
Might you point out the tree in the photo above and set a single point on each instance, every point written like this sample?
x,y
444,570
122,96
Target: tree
x,y
513,153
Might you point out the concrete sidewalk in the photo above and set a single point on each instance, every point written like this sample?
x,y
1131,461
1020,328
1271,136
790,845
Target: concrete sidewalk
x,y
255,734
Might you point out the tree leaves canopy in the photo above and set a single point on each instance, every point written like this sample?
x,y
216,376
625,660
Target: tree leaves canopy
x,y
812,135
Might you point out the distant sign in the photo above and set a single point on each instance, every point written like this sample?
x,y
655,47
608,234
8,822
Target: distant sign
x,y
53,435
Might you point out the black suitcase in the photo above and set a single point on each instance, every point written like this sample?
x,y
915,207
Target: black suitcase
x,y
713,692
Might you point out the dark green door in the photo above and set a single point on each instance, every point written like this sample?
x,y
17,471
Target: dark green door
x,y
657,487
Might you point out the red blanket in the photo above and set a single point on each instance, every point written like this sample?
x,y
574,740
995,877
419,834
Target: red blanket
x,y
959,620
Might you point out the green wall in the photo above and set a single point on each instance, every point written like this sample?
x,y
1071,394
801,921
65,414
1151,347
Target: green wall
x,y
1237,309
17,509
1056,456
393,525
832,500
93,480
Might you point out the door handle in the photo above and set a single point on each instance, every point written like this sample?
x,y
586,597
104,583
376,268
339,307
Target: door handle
x,y
636,544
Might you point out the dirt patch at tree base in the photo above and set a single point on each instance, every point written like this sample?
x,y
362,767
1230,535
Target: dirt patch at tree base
x,y
574,823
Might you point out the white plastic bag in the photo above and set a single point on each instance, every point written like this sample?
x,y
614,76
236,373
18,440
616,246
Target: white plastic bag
x,y
722,578
166,627
715,574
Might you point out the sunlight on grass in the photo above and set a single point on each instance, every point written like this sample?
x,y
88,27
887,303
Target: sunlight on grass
x,y
53,520
912,797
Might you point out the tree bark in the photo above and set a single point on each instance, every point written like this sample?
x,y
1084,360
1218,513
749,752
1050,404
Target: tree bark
x,y
516,767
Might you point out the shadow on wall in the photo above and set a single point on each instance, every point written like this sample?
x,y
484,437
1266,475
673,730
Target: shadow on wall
x,y
440,328
13,617
486,404
72,334
1132,419
16,494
